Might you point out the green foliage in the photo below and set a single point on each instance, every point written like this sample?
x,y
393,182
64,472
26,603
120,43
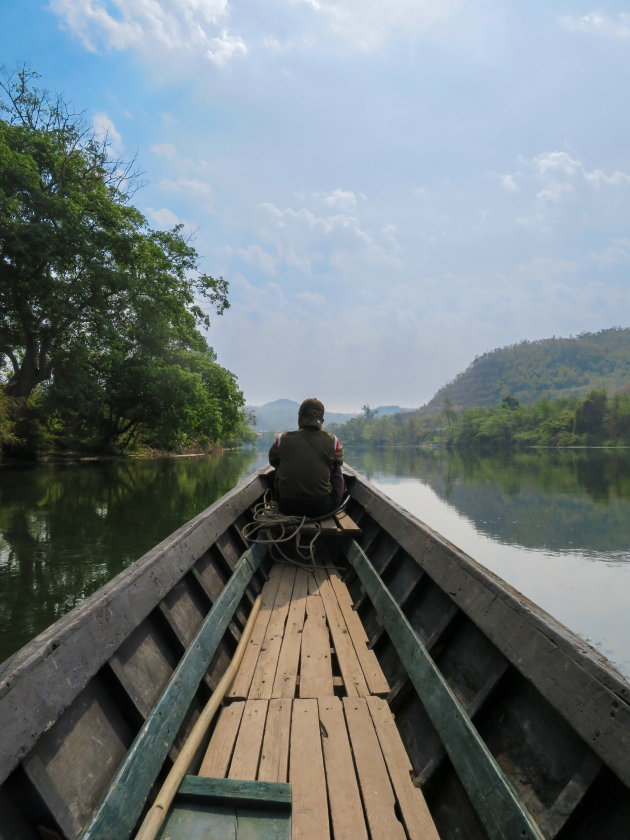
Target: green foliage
x,y
595,420
98,311
549,369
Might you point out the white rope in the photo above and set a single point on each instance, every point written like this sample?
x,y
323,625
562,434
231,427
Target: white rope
x,y
273,528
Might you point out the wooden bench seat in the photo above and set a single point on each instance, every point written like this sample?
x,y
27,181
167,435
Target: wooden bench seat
x,y
338,524
307,707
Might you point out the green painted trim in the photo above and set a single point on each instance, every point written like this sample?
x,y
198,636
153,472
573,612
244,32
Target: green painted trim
x,y
496,802
238,792
121,807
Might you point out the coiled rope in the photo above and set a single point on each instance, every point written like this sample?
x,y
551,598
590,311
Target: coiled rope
x,y
269,526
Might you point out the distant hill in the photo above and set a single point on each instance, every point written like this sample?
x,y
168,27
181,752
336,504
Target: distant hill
x,y
281,415
548,369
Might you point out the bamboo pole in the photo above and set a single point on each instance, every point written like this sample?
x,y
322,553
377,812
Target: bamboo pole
x,y
156,814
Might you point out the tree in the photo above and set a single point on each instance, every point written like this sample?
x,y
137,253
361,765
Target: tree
x,y
79,266
368,413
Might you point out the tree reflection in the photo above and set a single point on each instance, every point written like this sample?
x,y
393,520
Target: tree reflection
x,y
560,500
65,530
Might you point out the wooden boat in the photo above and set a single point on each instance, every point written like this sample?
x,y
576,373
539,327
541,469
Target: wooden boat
x,y
506,724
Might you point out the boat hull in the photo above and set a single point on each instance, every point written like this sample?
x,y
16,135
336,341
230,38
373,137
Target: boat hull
x,y
553,713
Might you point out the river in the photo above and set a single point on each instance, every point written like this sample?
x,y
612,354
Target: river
x,y
554,524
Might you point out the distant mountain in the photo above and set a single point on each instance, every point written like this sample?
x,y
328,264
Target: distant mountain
x,y
281,415
548,369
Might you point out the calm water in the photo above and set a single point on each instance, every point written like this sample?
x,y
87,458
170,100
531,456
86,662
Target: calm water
x,y
556,525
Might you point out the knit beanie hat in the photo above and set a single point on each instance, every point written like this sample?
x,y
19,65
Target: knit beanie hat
x,y
311,413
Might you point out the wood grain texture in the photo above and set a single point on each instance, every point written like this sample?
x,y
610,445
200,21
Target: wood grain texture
x,y
374,676
288,662
242,682
316,678
349,664
264,674
306,774
219,753
346,811
274,758
414,810
376,790
244,764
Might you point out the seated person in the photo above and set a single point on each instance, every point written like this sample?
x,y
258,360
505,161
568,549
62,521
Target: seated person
x,y
305,460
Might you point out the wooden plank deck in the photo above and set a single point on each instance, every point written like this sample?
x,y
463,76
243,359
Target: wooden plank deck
x,y
307,708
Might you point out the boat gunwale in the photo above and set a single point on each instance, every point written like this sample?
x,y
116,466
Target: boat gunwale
x,y
77,645
588,688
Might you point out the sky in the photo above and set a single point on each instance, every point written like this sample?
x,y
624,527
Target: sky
x,y
390,189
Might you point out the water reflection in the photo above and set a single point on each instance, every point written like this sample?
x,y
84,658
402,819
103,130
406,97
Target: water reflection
x,y
555,525
65,530
556,500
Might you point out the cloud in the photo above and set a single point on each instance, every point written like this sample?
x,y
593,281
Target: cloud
x,y
256,256
164,218
105,129
595,23
164,150
366,25
150,27
190,187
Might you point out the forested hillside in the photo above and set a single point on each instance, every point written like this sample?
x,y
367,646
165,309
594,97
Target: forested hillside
x,y
550,369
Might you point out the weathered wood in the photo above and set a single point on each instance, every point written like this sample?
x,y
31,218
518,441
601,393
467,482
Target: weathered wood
x,y
219,753
71,651
415,813
287,670
243,680
120,809
376,789
244,764
377,684
346,811
238,792
306,774
72,764
347,524
265,671
349,664
143,664
274,758
208,821
316,678
493,797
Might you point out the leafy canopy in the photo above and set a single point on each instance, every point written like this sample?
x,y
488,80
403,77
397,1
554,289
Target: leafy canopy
x,y
94,303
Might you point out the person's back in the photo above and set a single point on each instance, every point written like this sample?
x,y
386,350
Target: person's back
x,y
304,462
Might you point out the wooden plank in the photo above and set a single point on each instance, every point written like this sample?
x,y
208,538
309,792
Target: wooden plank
x,y
306,774
274,758
414,810
374,676
244,764
261,825
346,811
316,679
212,822
240,793
346,523
287,671
219,753
493,797
121,807
242,681
265,671
349,664
376,790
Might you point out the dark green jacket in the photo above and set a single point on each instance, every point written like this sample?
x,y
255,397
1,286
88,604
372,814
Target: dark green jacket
x,y
303,460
